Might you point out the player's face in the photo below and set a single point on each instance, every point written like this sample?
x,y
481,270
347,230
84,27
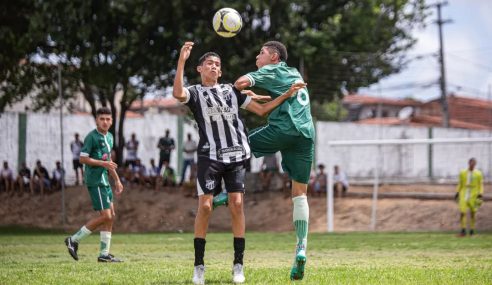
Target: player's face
x,y
104,122
265,57
210,69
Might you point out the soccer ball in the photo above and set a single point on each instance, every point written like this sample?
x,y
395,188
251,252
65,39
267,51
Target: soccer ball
x,y
227,22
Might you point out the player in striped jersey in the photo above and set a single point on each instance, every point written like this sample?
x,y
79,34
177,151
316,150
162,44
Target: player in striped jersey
x,y
222,149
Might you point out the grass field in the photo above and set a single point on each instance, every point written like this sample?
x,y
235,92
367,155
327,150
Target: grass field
x,y
351,258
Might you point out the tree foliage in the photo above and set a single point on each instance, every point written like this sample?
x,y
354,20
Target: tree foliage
x,y
132,45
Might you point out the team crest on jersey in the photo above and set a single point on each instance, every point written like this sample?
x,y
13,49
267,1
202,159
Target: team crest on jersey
x,y
210,184
226,94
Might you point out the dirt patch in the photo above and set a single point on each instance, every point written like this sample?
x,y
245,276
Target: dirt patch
x,y
169,211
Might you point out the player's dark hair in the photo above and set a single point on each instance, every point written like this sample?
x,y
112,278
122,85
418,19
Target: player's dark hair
x,y
103,111
278,47
206,55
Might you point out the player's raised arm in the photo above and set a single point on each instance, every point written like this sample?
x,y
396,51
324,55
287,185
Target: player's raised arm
x,y
178,88
265,109
242,83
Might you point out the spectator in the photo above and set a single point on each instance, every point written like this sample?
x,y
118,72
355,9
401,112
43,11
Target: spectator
x,y
75,147
269,168
40,178
165,145
139,173
168,175
189,150
58,177
153,175
340,185
7,178
24,178
320,181
131,151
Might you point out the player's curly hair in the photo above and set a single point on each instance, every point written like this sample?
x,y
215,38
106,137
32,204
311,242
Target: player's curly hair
x,y
278,47
205,55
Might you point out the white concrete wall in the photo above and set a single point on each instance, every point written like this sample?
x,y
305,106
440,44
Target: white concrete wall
x,y
405,161
409,161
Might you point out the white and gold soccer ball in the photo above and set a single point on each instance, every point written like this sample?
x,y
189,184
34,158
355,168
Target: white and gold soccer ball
x,y
227,22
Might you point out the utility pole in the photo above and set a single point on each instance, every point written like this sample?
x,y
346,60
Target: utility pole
x,y
442,81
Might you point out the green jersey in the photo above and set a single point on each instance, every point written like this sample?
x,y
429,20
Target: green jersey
x,y
293,117
97,146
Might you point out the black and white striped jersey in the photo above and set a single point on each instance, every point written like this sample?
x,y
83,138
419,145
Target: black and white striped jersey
x,y
223,136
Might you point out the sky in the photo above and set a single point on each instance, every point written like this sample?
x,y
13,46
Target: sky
x,y
468,55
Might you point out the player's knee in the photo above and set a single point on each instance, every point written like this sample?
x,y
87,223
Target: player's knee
x,y
236,205
206,208
107,216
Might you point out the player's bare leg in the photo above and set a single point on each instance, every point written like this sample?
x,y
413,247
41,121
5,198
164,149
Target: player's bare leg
x,y
301,225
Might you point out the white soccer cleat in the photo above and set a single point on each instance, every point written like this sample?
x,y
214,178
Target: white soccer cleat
x,y
238,273
199,275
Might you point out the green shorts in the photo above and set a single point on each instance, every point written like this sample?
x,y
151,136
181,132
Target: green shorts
x,y
101,197
297,151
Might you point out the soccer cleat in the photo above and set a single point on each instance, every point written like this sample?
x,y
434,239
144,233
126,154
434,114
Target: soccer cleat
x,y
238,273
297,271
462,233
108,258
221,199
199,275
72,247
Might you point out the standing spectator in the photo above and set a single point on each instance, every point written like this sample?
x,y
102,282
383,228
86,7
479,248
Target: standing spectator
x,y
469,195
165,145
340,182
40,178
269,168
58,177
24,178
320,181
75,147
7,178
131,151
189,150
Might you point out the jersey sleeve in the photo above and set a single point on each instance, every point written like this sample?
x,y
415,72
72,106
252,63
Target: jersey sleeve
x,y
242,99
191,95
261,78
87,147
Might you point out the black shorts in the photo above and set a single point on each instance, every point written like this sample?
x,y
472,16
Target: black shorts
x,y
76,164
211,173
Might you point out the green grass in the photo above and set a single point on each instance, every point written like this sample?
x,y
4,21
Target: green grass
x,y
352,258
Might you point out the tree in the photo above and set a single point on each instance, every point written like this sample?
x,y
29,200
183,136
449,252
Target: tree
x,y
132,46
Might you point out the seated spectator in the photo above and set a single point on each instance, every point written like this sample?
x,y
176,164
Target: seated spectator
x,y
340,182
139,173
269,168
6,178
40,179
168,175
153,175
320,181
58,177
24,178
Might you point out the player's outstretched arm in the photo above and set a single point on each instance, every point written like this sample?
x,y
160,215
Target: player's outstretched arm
x,y
178,87
242,83
256,97
265,109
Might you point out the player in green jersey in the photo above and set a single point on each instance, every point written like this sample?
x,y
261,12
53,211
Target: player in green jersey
x,y
96,156
290,130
